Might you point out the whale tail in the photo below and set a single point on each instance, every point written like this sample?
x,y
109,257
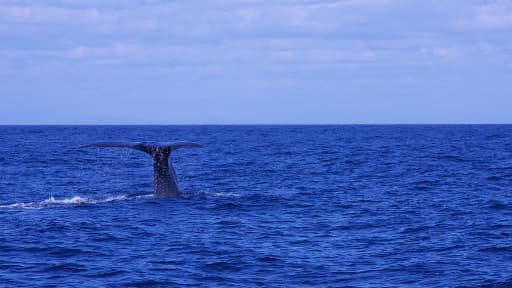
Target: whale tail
x,y
148,147
166,184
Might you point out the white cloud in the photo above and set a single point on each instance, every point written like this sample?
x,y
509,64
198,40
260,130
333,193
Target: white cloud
x,y
261,52
445,53
324,55
197,18
260,32
48,14
316,16
497,15
493,16
130,52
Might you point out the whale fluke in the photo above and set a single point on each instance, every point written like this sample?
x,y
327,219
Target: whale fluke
x,y
166,184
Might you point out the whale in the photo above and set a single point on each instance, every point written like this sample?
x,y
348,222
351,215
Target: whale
x,y
165,180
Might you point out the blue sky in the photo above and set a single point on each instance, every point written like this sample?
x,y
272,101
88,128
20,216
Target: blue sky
x,y
255,61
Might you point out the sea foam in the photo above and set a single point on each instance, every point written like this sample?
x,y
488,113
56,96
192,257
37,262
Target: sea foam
x,y
72,201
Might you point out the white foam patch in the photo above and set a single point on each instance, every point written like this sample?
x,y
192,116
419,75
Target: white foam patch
x,y
73,201
77,200
227,195
212,194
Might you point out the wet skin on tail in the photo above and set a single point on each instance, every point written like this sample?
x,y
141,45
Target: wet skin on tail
x,y
166,184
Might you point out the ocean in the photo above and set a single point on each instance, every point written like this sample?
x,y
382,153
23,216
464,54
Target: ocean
x,y
261,206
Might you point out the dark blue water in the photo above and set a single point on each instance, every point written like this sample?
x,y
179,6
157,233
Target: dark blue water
x,y
269,206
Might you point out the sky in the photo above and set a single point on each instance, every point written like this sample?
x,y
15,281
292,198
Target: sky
x,y
255,61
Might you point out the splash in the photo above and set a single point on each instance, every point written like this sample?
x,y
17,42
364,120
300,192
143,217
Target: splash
x,y
73,201
210,194
81,201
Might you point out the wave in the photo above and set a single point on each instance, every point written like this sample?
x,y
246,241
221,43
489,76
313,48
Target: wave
x,y
210,194
73,201
78,200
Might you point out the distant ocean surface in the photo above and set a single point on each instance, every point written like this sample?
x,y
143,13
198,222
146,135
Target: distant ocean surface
x,y
262,206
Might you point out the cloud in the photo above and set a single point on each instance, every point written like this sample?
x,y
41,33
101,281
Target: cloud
x,y
262,51
192,19
125,51
315,16
228,32
444,53
48,14
497,15
494,16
